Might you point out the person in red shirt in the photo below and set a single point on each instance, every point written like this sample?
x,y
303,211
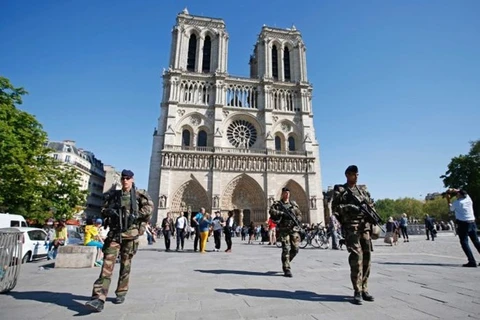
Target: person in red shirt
x,y
272,227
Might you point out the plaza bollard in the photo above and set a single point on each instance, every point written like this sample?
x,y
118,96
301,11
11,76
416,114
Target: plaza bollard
x,y
10,258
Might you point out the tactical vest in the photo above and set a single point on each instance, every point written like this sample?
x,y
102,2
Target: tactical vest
x,y
353,217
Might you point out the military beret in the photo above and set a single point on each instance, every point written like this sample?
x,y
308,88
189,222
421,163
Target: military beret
x,y
285,189
127,173
352,168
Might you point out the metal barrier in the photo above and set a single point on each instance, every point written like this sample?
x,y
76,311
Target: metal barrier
x,y
10,258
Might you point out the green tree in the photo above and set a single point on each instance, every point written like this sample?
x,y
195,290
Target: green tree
x,y
411,206
31,182
385,208
464,172
438,209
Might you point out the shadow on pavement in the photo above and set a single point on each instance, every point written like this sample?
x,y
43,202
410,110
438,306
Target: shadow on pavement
x,y
420,264
63,299
295,295
241,272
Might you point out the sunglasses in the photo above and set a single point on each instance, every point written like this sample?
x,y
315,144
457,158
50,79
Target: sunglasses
x,y
126,178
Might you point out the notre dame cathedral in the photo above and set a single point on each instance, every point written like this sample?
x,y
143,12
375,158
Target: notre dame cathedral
x,y
232,143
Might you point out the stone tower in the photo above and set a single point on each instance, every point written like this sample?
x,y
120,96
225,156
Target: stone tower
x,y
230,143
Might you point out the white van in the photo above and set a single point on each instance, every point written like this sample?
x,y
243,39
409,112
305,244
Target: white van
x,y
8,220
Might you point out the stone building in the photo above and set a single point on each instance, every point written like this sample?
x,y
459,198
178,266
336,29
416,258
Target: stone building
x,y
92,174
112,178
231,143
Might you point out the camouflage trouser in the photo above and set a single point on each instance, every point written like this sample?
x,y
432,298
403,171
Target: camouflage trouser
x,y
290,244
111,249
359,245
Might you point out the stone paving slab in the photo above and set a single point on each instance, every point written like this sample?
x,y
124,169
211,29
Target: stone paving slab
x,y
416,280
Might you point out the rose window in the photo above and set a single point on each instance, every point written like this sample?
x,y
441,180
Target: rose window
x,y
241,134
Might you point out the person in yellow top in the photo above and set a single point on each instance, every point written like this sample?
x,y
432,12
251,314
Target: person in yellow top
x,y
93,239
60,239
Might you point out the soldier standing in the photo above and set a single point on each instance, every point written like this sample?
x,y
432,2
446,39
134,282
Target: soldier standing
x,y
137,206
288,230
357,232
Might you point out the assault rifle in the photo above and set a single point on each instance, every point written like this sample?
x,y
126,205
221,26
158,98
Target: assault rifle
x,y
115,214
294,218
367,210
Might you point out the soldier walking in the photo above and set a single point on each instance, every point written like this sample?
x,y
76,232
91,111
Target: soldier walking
x,y
288,230
134,208
357,232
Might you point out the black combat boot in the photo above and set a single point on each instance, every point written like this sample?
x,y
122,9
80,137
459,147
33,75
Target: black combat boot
x,y
119,300
287,273
367,297
357,298
95,305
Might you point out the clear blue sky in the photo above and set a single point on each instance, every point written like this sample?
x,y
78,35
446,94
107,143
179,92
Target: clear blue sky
x,y
396,83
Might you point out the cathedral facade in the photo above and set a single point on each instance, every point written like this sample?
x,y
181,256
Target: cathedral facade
x,y
232,143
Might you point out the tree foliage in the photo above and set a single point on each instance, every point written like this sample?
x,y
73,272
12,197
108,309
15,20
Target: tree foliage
x,y
394,208
31,182
437,208
464,172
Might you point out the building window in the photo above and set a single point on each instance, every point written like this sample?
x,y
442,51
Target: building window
x,y
291,144
278,143
186,138
275,62
192,52
67,158
55,156
207,50
286,63
202,139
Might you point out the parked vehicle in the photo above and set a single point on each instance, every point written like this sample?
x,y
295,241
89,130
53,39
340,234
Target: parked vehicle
x,y
34,244
74,238
8,220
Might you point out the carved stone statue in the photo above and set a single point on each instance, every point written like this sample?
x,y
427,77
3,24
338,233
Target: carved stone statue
x,y
313,202
163,200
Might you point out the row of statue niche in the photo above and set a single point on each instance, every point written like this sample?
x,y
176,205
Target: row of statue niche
x,y
186,160
234,162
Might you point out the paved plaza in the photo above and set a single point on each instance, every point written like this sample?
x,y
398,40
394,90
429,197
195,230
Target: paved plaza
x,y
416,280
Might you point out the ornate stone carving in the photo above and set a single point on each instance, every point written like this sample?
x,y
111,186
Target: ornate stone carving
x,y
181,112
195,120
275,118
225,113
210,114
286,127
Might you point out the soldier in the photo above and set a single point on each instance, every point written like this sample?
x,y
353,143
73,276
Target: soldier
x,y
137,206
357,232
288,230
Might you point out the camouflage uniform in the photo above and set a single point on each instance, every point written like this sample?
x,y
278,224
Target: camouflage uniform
x,y
288,231
357,233
127,248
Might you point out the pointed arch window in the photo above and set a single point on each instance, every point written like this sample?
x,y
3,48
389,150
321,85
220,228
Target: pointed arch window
x,y
192,52
202,139
207,51
286,63
278,143
185,138
275,62
291,144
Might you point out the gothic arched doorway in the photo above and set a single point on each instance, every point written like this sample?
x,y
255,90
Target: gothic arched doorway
x,y
245,195
190,196
300,197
